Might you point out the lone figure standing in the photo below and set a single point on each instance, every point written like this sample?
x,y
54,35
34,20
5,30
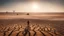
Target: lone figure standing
x,y
27,30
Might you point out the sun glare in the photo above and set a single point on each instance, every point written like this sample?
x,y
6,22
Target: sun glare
x,y
35,6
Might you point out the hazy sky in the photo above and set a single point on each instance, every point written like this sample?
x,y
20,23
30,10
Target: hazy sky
x,y
32,5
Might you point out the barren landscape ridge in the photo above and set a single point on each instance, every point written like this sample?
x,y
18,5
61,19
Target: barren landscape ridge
x,y
31,24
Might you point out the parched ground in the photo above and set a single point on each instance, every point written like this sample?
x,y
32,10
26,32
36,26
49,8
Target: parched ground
x,y
14,24
16,27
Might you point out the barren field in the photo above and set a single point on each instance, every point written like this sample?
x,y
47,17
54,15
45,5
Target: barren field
x,y
39,24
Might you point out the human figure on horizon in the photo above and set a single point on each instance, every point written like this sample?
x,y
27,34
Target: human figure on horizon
x,y
27,29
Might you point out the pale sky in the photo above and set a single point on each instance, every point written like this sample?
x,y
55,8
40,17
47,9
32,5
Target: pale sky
x,y
33,6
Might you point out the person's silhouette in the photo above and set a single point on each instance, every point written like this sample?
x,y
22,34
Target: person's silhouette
x,y
27,30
